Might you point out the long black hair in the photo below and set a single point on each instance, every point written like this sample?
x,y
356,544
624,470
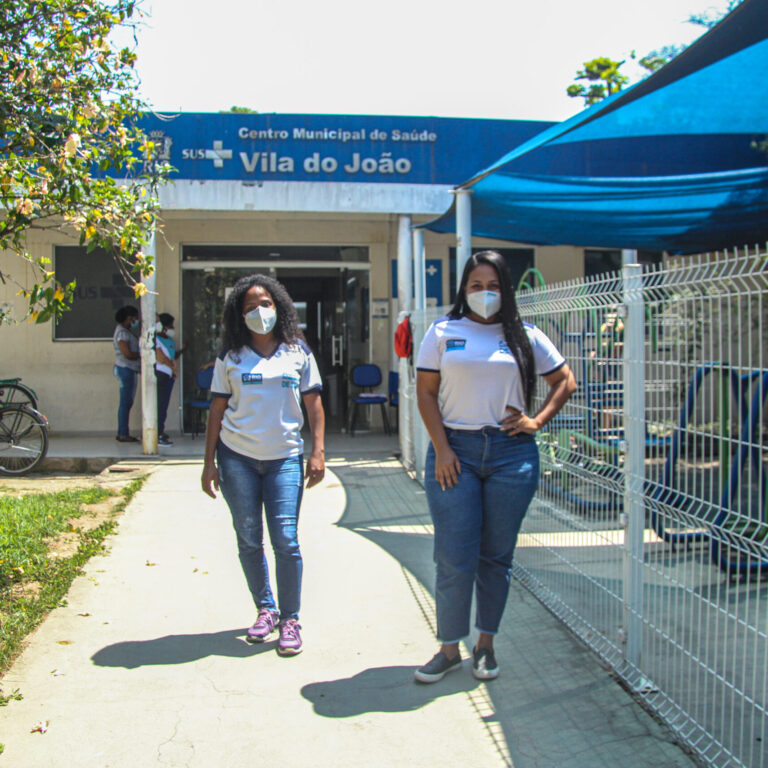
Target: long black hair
x,y
514,330
234,331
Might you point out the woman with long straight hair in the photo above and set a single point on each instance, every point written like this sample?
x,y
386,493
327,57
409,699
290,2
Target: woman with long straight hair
x,y
476,375
254,448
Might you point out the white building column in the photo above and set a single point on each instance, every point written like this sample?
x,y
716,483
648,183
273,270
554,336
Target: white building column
x,y
419,270
147,343
463,231
404,264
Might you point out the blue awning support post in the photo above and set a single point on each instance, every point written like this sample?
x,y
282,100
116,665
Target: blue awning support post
x,y
419,267
463,231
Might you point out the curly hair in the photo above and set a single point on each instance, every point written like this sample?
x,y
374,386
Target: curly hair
x,y
514,330
235,334
124,313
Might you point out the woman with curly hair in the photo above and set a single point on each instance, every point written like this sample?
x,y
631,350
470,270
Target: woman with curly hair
x,y
254,448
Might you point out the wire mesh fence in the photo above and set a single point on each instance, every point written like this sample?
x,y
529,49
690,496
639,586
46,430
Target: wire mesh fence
x,y
649,534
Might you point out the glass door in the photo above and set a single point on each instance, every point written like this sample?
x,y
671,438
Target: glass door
x,y
333,310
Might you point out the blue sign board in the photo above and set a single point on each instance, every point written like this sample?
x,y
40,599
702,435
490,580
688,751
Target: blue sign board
x,y
337,148
433,285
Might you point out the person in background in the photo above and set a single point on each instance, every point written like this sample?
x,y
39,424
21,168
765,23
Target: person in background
x,y
166,370
254,448
127,366
476,372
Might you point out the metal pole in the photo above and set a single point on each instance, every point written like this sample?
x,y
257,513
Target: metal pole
x,y
463,231
404,264
419,267
634,433
148,378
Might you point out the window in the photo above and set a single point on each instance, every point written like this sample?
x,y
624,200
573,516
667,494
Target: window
x,y
597,262
100,292
274,253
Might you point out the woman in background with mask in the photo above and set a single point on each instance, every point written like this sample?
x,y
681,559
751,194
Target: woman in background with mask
x,y
476,373
127,366
166,370
254,448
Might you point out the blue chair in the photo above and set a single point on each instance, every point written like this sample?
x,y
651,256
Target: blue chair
x,y
201,402
367,376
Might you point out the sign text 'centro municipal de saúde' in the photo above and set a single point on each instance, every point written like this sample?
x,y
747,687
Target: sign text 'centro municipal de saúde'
x,y
338,148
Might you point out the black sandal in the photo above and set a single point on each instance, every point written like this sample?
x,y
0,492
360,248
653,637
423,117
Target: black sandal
x,y
126,439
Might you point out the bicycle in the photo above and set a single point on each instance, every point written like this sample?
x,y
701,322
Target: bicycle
x,y
23,439
12,391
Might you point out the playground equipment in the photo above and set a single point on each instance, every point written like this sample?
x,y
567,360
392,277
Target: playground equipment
x,y
583,453
566,464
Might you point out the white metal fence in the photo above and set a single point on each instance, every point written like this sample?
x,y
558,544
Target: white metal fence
x,y
649,534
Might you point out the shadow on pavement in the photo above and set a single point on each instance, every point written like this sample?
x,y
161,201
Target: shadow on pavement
x,y
178,649
380,689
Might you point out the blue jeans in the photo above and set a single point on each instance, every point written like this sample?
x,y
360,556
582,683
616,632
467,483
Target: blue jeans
x,y
476,525
248,485
127,380
164,389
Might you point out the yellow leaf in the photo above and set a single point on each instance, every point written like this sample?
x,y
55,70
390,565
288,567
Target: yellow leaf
x,y
58,294
72,144
139,289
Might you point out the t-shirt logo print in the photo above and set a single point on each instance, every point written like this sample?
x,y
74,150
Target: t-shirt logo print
x,y
290,381
251,378
451,344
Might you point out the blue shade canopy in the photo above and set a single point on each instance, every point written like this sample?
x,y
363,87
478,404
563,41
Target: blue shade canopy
x,y
665,165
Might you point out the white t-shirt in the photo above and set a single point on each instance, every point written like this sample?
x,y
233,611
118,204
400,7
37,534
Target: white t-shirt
x,y
263,418
168,348
123,334
479,376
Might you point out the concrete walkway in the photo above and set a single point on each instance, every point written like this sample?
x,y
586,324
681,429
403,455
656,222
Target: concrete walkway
x,y
146,665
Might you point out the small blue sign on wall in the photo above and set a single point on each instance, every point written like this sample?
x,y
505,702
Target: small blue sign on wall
x,y
433,269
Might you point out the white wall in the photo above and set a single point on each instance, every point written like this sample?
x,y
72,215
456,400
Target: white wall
x,y
74,378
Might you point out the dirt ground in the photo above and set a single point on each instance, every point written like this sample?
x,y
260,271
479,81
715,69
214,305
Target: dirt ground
x,y
66,543
114,477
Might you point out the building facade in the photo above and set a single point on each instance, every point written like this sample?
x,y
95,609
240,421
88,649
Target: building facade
x,y
322,202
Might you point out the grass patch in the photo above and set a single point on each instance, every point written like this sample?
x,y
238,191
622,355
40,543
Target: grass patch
x,y
31,582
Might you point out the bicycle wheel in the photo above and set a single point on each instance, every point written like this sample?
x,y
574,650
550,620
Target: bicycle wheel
x,y
17,394
23,439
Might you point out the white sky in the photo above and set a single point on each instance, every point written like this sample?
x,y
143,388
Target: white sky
x,y
482,58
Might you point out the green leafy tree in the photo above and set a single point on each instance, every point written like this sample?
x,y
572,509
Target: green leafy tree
x,y
710,17
607,70
656,59
71,155
603,78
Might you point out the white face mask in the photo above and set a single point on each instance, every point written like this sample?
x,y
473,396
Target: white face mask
x,y
261,320
484,303
170,333
159,326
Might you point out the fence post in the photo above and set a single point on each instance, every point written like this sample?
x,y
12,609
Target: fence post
x,y
633,518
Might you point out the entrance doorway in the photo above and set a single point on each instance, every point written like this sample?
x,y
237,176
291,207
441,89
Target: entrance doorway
x,y
333,307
